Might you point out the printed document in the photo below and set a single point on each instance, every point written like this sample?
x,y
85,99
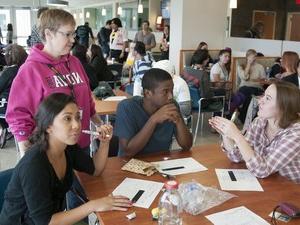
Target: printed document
x,y
236,216
179,166
238,180
142,192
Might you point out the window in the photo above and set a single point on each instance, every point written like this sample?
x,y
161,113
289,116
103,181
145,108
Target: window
x,y
23,29
4,20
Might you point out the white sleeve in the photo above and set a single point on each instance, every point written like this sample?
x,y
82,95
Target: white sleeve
x,y
216,69
124,34
137,87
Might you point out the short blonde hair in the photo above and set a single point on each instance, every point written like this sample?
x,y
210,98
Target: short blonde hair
x,y
53,19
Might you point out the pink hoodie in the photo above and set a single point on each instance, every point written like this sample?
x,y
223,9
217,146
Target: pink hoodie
x,y
35,80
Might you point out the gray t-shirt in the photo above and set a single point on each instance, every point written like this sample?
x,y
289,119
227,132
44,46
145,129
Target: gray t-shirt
x,y
147,39
131,118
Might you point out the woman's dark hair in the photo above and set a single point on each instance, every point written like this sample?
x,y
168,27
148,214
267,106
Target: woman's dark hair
x,y
153,77
9,27
199,56
97,51
117,21
79,51
223,51
288,102
201,44
140,48
49,108
15,55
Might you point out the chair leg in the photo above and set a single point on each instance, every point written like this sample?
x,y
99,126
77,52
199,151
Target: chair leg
x,y
196,129
202,119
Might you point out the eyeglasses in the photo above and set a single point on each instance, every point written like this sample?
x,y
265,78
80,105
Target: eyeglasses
x,y
67,35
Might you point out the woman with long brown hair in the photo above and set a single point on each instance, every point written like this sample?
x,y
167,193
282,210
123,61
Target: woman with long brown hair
x,y
271,143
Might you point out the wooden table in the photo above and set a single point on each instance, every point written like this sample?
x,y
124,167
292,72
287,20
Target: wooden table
x,y
276,188
108,107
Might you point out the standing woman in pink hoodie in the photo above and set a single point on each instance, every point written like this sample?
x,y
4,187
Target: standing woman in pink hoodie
x,y
50,69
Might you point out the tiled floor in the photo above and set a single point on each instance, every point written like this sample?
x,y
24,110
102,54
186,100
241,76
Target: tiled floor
x,y
9,155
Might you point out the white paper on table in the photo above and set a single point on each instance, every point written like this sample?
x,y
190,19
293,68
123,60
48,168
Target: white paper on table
x,y
130,187
115,98
190,166
236,216
245,181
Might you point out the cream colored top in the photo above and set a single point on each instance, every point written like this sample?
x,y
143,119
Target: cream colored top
x,y
256,72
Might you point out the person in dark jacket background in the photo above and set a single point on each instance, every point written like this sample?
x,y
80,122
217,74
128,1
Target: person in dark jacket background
x,y
15,56
103,38
80,52
97,60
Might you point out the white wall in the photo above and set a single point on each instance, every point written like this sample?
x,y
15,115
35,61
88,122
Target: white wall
x,y
176,31
291,46
267,47
193,21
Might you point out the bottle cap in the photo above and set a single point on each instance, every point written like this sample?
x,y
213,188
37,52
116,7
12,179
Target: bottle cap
x,y
171,184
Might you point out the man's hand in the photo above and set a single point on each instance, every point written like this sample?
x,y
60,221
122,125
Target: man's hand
x,y
168,112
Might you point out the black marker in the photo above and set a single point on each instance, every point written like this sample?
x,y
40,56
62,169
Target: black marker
x,y
232,177
173,168
137,196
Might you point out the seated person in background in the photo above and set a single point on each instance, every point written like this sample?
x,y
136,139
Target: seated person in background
x,y
276,68
37,190
197,76
15,56
142,63
165,43
203,46
147,124
290,62
181,92
80,51
219,71
250,74
294,78
97,60
256,31
271,143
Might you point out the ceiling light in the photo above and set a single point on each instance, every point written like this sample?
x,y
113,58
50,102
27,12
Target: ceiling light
x,y
119,11
140,7
103,12
57,2
233,4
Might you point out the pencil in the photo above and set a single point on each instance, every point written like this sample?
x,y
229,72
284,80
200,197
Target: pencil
x,y
95,133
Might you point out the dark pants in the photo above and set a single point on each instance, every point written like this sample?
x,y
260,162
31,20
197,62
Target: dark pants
x,y
248,92
73,201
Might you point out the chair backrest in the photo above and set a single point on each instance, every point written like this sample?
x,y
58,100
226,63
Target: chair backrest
x,y
186,57
5,177
116,70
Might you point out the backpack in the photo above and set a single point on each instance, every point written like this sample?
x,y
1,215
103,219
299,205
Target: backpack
x,y
103,90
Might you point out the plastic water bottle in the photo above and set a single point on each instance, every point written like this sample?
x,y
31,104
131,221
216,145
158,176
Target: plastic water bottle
x,y
268,71
170,205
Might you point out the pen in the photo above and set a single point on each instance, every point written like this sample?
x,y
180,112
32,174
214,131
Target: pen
x,y
173,168
95,133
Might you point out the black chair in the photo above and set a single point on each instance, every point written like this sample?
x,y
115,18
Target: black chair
x,y
116,69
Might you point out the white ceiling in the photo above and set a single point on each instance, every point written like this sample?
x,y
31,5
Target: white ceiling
x,y
72,3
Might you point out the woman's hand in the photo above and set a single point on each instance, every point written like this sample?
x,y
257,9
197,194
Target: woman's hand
x,y
105,132
225,127
110,202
